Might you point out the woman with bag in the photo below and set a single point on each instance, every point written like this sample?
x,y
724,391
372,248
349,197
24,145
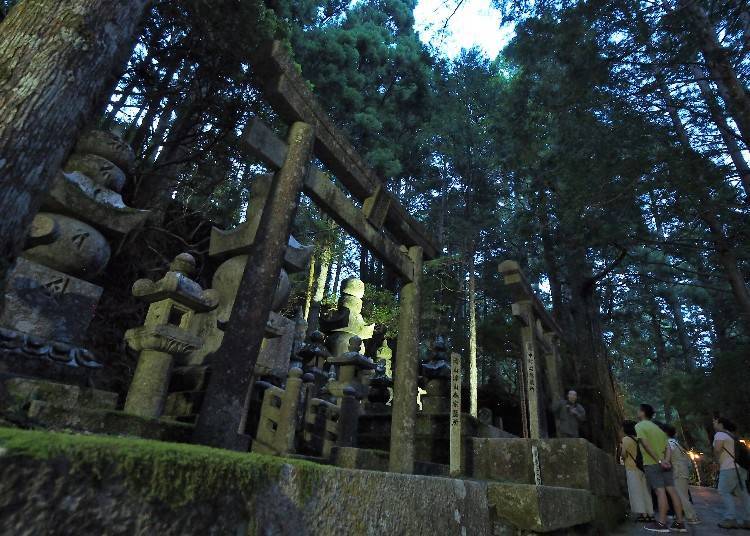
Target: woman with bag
x,y
641,504
681,468
732,477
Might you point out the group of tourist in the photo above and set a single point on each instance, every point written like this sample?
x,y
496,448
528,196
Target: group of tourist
x,y
658,468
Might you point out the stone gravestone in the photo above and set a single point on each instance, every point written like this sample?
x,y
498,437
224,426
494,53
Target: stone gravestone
x,y
381,383
52,293
347,321
352,370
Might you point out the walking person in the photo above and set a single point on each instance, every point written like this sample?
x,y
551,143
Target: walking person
x,y
641,504
732,476
569,415
681,472
658,468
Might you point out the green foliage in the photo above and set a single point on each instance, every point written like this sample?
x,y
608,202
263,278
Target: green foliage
x,y
381,308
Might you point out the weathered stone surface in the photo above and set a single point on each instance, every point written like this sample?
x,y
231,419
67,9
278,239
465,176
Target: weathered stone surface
x,y
107,145
571,463
230,493
24,390
54,417
79,196
275,353
98,169
78,250
356,458
538,508
47,303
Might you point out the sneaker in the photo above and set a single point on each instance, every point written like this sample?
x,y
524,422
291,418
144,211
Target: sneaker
x,y
656,527
694,521
729,524
678,527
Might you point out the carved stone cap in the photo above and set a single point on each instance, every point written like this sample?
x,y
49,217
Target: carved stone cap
x,y
176,285
162,338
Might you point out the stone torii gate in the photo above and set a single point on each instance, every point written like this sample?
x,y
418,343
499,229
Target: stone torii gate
x,y
540,343
382,225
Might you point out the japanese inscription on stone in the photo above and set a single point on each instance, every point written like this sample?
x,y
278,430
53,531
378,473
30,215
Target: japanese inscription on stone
x,y
531,390
455,416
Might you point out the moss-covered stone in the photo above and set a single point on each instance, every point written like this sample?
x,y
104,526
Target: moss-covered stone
x,y
55,483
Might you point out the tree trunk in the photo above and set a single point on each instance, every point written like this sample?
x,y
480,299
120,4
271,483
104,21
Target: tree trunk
x,y
56,62
337,276
682,335
724,251
731,89
660,348
324,267
727,134
473,368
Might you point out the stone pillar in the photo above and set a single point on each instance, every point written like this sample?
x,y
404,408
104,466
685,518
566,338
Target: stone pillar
x,y
222,413
148,390
455,425
531,361
407,368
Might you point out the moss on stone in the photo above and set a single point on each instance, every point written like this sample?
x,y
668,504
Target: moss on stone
x,y
175,473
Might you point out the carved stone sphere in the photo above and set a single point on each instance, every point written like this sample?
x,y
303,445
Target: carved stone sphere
x,y
185,263
355,343
353,287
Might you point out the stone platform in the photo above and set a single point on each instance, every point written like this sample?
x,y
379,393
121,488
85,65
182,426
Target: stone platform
x,y
114,485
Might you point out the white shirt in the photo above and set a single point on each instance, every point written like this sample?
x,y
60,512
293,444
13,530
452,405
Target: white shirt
x,y
725,460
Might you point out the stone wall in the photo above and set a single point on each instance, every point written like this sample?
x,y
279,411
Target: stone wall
x,y
65,484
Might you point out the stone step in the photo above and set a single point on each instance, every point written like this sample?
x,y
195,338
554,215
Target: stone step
x,y
22,391
107,422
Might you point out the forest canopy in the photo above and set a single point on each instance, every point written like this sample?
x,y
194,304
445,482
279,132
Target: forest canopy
x,y
605,149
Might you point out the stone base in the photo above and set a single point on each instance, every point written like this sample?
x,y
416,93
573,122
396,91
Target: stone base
x,y
436,405
573,464
117,423
20,392
521,507
48,304
23,363
105,485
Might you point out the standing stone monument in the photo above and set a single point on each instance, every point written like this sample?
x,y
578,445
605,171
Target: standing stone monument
x,y
455,426
52,290
381,383
50,294
436,375
347,321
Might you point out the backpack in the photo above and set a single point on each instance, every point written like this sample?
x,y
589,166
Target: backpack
x,y
638,454
741,453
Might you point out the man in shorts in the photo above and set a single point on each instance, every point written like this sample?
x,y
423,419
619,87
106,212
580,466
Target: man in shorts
x,y
658,468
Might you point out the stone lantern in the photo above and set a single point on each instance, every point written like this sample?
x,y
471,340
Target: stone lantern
x,y
165,334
